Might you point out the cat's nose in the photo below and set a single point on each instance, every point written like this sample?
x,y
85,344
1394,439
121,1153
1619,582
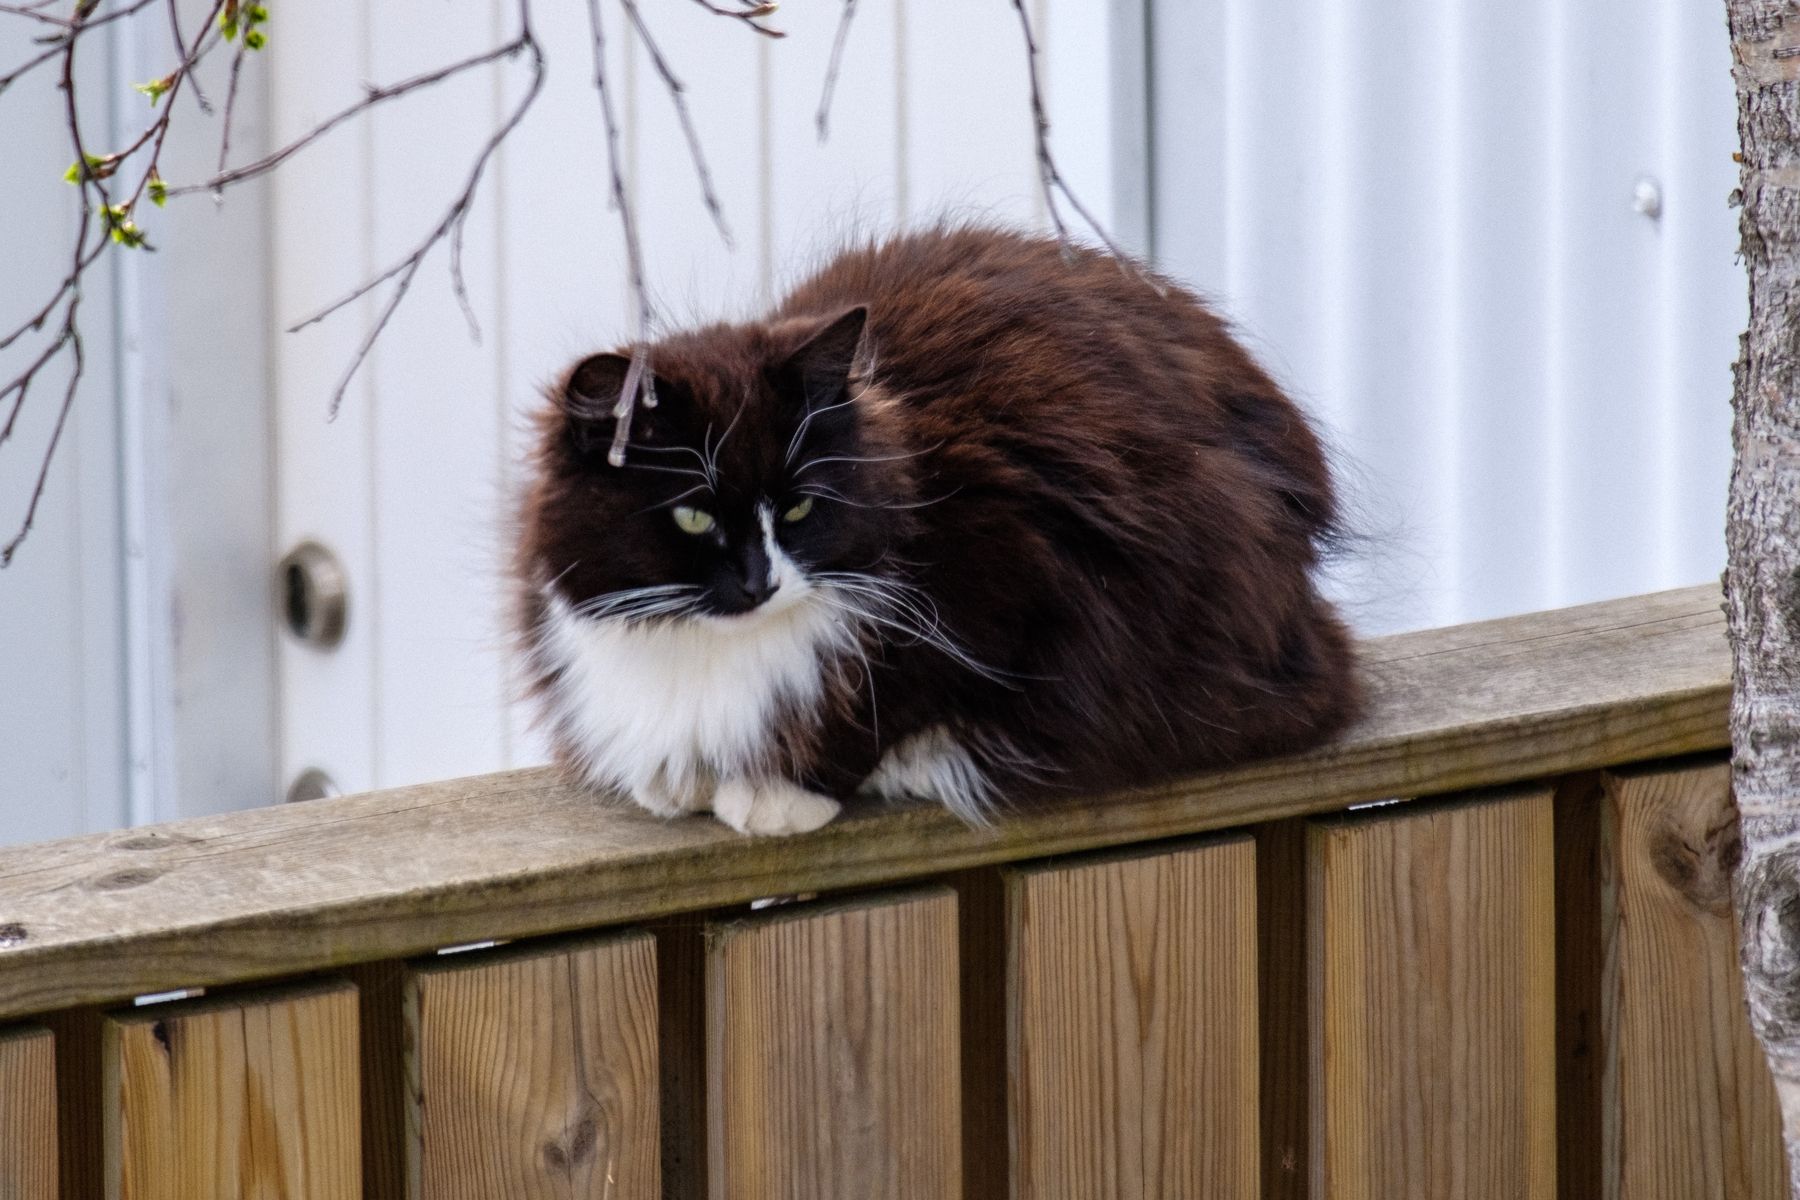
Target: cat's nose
x,y
758,589
739,592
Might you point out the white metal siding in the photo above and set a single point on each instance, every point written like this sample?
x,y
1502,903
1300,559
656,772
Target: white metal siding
x,y
63,766
1421,212
136,647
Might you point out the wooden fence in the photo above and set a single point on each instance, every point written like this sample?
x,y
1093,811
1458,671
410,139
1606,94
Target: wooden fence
x,y
1518,983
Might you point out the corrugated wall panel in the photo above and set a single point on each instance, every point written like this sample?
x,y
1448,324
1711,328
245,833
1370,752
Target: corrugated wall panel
x,y
1422,215
63,723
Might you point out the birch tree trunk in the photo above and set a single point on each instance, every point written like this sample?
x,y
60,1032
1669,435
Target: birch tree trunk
x,y
1762,577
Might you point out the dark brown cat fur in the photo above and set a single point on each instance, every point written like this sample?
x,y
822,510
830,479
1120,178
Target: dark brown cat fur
x,y
1101,514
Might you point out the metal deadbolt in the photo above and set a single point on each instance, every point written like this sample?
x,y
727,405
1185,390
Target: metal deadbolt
x,y
314,595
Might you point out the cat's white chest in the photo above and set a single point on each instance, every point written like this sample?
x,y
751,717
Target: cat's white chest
x,y
664,708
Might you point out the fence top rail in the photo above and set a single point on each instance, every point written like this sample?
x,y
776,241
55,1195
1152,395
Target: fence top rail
x,y
275,891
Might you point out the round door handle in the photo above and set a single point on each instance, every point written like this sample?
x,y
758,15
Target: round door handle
x,y
312,784
314,595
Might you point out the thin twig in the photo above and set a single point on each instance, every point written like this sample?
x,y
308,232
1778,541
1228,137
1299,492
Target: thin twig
x,y
677,95
181,51
77,369
57,44
406,269
70,334
1050,179
823,118
31,12
749,15
372,97
231,95
637,377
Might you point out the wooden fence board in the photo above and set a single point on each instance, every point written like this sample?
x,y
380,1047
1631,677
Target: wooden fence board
x,y
293,888
833,1038
1133,1028
1433,1002
236,1098
28,1147
534,1073
1690,1108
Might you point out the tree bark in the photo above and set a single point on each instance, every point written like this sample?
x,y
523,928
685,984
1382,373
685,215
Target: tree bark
x,y
1762,577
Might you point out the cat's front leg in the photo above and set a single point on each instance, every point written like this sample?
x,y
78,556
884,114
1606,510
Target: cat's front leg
x,y
771,806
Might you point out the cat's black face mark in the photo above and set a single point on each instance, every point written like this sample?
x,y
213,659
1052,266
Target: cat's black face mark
x,y
748,478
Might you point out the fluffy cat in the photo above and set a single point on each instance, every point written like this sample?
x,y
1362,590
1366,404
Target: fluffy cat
x,y
965,518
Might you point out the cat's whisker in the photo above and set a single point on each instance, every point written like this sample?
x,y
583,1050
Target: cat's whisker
x,y
688,471
676,499
638,448
712,455
892,591
836,497
810,463
800,432
931,634
608,603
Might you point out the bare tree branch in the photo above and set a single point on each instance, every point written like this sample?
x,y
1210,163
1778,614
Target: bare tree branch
x,y
107,220
1050,179
637,378
677,96
406,269
70,333
371,97
823,118
748,14
72,29
181,51
77,369
231,95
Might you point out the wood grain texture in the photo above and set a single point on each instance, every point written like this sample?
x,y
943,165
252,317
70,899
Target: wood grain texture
x,y
235,1098
533,1074
28,1145
1690,1109
1133,1028
833,1037
1433,1002
298,888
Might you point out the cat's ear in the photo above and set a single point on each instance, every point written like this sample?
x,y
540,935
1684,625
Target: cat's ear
x,y
824,360
594,383
590,395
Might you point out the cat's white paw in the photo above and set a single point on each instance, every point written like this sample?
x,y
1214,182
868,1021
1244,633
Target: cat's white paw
x,y
669,793
933,765
772,807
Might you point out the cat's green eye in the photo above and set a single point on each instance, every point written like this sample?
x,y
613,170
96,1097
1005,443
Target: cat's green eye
x,y
799,511
693,520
